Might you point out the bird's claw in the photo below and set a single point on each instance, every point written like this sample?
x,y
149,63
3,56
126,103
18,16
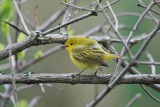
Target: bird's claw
x,y
77,75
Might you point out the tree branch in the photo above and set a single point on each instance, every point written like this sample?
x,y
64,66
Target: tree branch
x,y
83,79
49,39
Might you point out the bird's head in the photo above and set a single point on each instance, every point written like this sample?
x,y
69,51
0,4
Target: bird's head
x,y
78,42
72,42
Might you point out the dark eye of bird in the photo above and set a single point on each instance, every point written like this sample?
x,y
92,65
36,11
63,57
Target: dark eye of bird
x,y
71,44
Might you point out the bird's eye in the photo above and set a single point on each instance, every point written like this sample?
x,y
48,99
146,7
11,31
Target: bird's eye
x,y
71,44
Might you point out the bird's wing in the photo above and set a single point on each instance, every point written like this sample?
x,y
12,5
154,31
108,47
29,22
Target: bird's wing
x,y
105,49
89,54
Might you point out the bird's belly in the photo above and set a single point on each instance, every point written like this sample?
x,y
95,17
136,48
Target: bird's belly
x,y
85,64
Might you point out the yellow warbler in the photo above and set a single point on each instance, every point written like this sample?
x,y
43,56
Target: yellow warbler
x,y
86,53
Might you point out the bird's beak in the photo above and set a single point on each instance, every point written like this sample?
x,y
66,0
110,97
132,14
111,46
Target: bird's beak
x,y
66,45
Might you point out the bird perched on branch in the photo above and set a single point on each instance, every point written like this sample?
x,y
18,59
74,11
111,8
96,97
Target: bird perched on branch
x,y
86,53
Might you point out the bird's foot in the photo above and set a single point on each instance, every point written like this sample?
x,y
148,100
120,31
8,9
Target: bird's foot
x,y
95,74
77,75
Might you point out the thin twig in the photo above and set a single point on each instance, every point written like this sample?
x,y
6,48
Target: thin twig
x,y
17,20
46,54
36,18
147,63
114,16
15,27
88,9
153,68
133,70
12,88
7,95
21,17
138,54
153,97
110,22
21,88
137,24
147,41
135,98
12,68
150,14
124,71
34,101
67,17
156,12
51,20
132,31
69,22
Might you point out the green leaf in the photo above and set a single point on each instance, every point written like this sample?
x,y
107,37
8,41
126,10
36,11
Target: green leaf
x,y
38,54
6,14
21,37
6,10
21,55
5,28
70,31
23,103
66,1
1,46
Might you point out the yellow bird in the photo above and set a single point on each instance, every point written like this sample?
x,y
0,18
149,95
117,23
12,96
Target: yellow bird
x,y
86,53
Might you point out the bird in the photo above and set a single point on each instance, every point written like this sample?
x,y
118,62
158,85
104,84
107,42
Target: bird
x,y
87,53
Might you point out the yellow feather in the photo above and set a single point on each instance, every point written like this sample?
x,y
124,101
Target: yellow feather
x,y
86,53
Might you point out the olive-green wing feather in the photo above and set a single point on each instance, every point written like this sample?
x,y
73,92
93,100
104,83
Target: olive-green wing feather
x,y
89,54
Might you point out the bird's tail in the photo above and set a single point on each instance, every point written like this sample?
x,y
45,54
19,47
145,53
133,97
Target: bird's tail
x,y
113,56
121,57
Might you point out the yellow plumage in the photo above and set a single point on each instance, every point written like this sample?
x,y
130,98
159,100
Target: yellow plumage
x,y
86,53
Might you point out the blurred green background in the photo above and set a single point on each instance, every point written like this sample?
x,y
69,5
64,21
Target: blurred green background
x,y
65,95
